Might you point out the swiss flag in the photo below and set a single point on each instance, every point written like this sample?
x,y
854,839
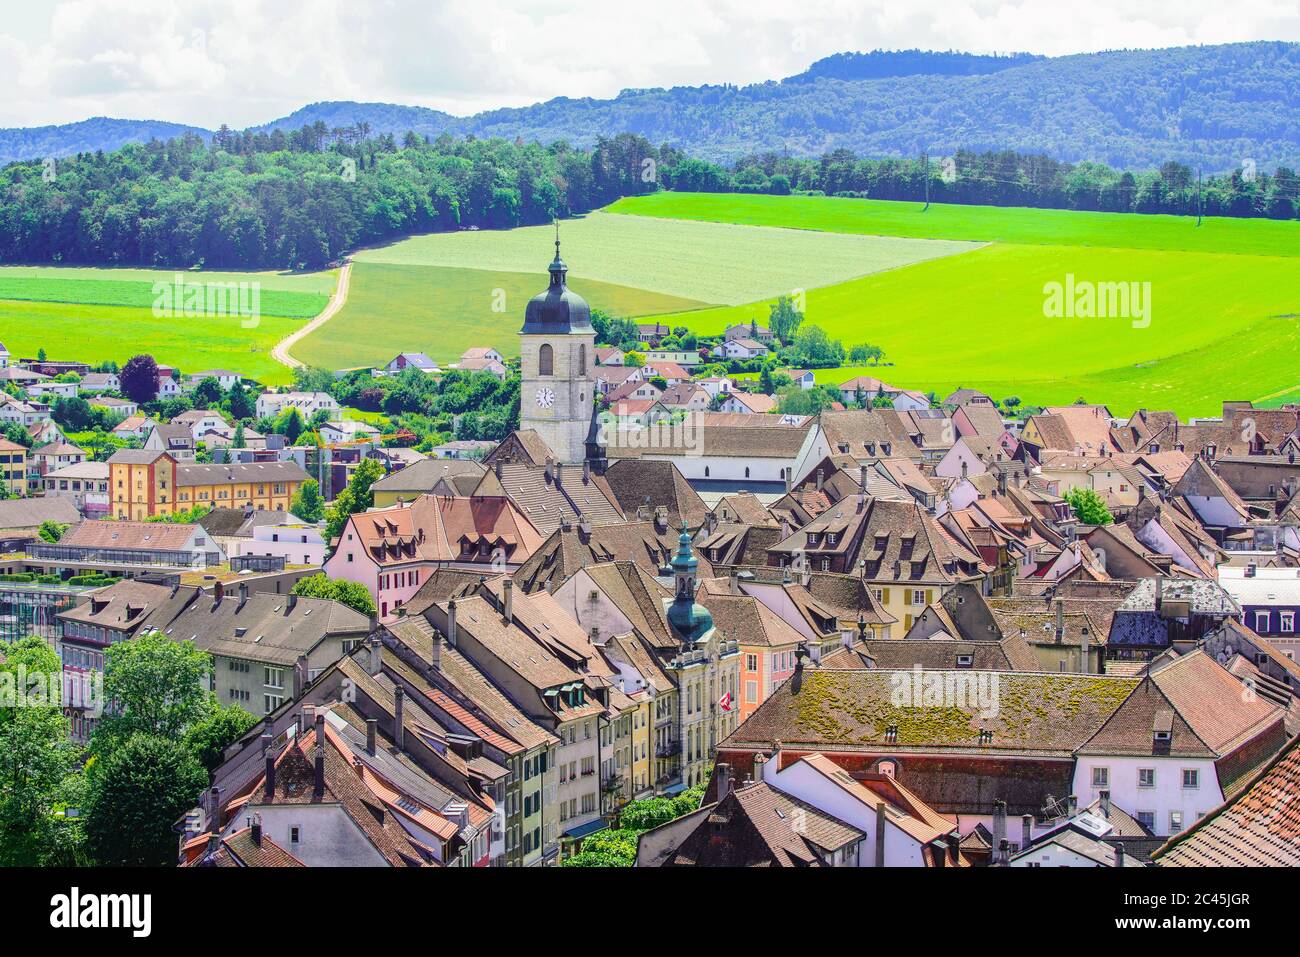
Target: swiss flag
x,y
725,702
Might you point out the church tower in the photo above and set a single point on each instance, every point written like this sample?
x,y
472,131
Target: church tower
x,y
557,348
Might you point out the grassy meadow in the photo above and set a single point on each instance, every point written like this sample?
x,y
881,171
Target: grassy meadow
x,y
983,224
96,315
717,263
443,311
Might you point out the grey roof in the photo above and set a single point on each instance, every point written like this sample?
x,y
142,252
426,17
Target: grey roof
x,y
29,513
236,472
1206,597
421,477
264,627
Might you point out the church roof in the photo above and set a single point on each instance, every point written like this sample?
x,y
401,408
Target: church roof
x,y
558,310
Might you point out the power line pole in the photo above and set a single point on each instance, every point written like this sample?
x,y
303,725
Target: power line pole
x,y
925,163
1198,197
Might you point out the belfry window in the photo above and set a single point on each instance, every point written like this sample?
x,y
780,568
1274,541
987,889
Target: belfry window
x,y
546,360
582,360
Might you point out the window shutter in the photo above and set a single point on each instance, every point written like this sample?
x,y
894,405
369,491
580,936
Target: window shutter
x,y
929,596
886,596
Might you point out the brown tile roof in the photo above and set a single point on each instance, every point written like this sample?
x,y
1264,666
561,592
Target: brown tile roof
x,y
420,477
444,528
163,536
755,826
647,544
1260,827
641,484
240,849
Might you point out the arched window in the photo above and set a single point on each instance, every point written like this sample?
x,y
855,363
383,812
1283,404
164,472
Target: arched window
x,y
582,359
546,360
746,471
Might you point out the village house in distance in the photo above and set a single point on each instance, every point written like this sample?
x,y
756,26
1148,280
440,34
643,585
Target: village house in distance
x,y
880,635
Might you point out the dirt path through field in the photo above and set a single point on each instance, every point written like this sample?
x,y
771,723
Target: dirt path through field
x,y
281,351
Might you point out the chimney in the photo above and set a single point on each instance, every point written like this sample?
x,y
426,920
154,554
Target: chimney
x,y
1119,854
733,581
508,603
218,593
1002,482
435,656
1074,804
496,467
214,805
724,780
821,477
257,829
1059,605
880,835
586,471
214,842
1004,852
559,474
999,832
269,752
318,787
1026,831
964,470
243,594
760,763
451,622
290,603
1160,594
372,733
1105,803
399,727
595,635
550,468
376,655
1085,656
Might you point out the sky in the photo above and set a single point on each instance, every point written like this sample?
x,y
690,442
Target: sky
x,y
245,62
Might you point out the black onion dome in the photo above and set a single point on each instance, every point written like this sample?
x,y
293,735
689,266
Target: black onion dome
x,y
559,310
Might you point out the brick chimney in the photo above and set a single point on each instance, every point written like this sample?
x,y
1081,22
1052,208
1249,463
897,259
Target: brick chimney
x,y
508,602
257,830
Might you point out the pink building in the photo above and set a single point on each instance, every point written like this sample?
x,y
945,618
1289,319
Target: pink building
x,y
392,551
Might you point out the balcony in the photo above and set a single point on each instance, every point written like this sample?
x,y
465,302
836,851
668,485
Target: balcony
x,y
668,749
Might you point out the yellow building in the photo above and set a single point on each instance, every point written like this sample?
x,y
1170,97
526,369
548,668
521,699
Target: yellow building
x,y
257,485
141,484
145,483
13,467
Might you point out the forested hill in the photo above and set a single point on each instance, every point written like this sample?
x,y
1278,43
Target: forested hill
x,y
879,64
98,133
1208,107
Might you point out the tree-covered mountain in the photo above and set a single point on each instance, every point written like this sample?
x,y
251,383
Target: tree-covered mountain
x,y
879,64
98,133
1209,107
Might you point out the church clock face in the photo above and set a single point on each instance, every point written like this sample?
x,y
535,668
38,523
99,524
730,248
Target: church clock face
x,y
545,398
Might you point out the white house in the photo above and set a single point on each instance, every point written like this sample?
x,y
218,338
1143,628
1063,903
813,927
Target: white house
x,y
1180,739
49,391
4,356
86,483
411,360
716,385
348,430
913,833
225,378
123,407
740,349
307,403
22,413
296,542
200,421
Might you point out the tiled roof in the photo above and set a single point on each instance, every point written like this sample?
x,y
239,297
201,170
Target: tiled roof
x,y
22,514
155,536
1260,827
239,473
1038,714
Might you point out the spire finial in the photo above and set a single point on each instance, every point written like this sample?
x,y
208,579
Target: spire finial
x,y
557,239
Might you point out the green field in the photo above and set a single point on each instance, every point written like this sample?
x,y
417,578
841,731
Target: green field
x,y
707,262
101,333
95,315
1224,323
985,224
444,311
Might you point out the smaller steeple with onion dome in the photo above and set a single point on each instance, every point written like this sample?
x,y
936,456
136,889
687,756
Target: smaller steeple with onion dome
x,y
692,622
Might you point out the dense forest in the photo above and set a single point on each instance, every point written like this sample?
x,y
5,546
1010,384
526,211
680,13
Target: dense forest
x,y
301,200
1208,107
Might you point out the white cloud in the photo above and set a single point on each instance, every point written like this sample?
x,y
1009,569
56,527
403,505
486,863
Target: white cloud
x,y
248,61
